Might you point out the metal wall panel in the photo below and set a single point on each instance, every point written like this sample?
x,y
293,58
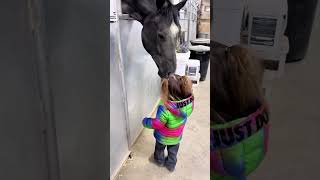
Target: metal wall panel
x,y
23,152
316,21
77,58
189,21
142,82
118,122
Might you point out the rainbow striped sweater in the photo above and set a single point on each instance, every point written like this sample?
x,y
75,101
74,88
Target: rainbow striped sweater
x,y
238,147
169,122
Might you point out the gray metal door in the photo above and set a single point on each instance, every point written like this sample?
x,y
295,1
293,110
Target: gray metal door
x,y
77,61
23,152
53,96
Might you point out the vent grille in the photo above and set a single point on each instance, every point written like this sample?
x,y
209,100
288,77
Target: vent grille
x,y
263,31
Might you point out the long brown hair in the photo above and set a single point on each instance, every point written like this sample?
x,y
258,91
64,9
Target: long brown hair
x,y
176,88
236,80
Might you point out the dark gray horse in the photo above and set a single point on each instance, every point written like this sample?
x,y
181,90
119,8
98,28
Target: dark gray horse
x,y
161,27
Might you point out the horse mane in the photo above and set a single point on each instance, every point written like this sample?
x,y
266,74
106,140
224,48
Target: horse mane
x,y
148,7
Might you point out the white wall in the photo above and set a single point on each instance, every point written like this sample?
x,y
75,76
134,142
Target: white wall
x,y
142,82
119,147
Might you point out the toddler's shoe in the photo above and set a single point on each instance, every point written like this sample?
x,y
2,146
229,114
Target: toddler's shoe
x,y
160,164
156,162
170,168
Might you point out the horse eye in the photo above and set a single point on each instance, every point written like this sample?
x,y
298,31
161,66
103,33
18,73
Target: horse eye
x,y
161,36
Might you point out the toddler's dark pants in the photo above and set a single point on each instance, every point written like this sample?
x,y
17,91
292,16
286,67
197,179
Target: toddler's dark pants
x,y
171,159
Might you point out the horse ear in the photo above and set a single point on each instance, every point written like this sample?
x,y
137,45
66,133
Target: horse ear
x,y
180,4
163,4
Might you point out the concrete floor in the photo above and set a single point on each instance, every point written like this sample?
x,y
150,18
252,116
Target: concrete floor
x,y
295,120
193,157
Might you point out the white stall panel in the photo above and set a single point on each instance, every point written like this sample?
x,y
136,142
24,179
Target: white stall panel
x,y
141,77
118,122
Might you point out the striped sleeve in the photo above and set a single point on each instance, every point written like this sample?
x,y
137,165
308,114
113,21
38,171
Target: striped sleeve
x,y
158,122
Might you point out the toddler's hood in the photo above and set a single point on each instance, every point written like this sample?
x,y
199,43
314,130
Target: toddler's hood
x,y
178,107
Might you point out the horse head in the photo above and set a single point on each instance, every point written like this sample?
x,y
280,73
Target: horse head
x,y
161,28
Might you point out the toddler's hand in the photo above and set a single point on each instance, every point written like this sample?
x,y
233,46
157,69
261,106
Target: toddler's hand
x,y
146,122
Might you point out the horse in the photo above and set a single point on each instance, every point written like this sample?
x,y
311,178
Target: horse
x,y
161,29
